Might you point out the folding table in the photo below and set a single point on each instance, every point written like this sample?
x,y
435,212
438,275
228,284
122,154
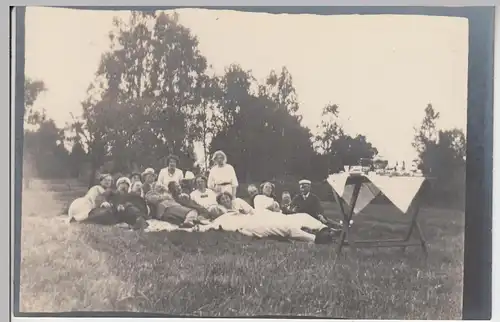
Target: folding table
x,y
404,192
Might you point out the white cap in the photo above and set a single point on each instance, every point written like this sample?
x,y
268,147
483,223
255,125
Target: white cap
x,y
148,171
305,181
123,180
189,175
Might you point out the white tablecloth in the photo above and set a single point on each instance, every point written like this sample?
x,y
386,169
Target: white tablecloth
x,y
399,190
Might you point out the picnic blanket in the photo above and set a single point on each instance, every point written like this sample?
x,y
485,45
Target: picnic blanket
x,y
399,190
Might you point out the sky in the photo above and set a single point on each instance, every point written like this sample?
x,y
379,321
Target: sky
x,y
382,70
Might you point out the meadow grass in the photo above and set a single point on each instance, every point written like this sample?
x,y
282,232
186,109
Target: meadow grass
x,y
81,267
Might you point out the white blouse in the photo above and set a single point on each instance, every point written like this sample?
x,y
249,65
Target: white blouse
x,y
221,177
165,177
263,202
205,199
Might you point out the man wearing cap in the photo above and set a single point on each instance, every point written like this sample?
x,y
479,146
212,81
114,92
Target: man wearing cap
x,y
307,202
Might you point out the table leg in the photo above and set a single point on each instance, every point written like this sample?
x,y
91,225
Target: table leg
x,y
345,234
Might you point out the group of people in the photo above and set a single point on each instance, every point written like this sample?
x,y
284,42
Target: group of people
x,y
202,203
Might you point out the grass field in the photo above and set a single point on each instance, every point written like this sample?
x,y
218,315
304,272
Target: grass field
x,y
91,268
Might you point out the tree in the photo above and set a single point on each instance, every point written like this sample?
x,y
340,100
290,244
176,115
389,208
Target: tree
x,y
32,90
46,147
258,131
147,88
441,155
338,148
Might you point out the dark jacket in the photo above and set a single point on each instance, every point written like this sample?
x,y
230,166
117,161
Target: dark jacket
x,y
311,205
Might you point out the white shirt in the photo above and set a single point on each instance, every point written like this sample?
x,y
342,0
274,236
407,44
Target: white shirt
x,y
263,202
164,177
222,178
205,199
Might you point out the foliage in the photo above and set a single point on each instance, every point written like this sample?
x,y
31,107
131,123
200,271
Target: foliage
x,y
442,157
32,90
338,148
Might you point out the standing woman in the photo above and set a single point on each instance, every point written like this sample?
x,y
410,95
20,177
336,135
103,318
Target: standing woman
x,y
222,177
171,172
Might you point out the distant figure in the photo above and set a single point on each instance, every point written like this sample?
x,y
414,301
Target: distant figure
x,y
267,199
307,202
171,172
222,176
80,208
253,191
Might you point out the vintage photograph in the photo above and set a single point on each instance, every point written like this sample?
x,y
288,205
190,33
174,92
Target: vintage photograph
x,y
223,163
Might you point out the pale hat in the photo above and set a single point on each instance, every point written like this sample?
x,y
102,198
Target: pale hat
x,y
305,181
189,175
148,171
123,180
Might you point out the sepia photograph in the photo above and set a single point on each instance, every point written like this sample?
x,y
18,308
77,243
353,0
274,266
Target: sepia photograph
x,y
222,163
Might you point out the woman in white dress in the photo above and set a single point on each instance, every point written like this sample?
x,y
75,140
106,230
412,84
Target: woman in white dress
x,y
228,204
80,208
202,195
222,177
266,200
171,172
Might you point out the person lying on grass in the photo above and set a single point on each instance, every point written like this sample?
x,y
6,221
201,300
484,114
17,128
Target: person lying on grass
x,y
228,204
80,208
267,199
174,206
253,192
203,196
121,206
264,223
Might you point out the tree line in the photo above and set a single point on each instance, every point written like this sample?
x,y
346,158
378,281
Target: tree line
x,y
154,94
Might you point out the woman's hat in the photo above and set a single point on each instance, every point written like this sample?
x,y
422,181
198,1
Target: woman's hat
x,y
148,171
123,180
189,175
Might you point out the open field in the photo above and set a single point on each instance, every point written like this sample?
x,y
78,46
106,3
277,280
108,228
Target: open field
x,y
92,268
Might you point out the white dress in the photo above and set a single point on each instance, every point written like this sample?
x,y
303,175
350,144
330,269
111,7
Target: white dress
x,y
206,199
222,179
267,224
263,202
165,177
80,207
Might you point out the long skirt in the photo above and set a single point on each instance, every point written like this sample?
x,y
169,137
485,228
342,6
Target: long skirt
x,y
80,209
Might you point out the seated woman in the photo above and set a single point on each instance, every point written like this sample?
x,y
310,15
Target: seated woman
x,y
204,197
228,204
267,199
96,196
172,205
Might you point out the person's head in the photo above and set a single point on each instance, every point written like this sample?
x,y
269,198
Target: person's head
x,y
267,188
252,190
201,182
136,187
172,161
305,186
149,176
286,198
105,180
225,199
135,177
219,158
174,187
123,184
